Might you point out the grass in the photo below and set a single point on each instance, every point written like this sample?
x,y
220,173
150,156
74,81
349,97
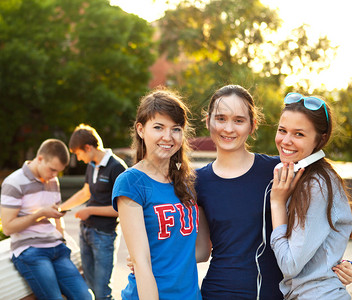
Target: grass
x,y
2,235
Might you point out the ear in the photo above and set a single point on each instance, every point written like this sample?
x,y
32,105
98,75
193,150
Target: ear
x,y
207,121
87,148
324,137
254,126
40,158
322,140
140,130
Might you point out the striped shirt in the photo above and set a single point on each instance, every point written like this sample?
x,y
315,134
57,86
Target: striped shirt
x,y
22,190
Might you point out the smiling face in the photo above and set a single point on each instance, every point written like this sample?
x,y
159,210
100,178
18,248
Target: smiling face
x,y
296,137
162,137
229,123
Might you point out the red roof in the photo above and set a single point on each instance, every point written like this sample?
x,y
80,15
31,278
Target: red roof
x,y
203,143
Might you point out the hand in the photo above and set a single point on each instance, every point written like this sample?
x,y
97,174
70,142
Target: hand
x,y
130,264
284,183
344,272
83,213
50,212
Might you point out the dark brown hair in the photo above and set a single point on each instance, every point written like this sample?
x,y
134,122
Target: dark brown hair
x,y
84,135
54,148
322,169
168,103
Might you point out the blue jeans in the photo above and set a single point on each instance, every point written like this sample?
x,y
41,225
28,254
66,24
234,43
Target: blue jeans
x,y
97,254
51,273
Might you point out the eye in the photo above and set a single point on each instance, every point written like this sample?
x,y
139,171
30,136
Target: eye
x,y
220,118
299,134
239,121
157,127
283,131
177,129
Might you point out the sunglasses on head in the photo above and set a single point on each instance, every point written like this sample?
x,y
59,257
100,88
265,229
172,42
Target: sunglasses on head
x,y
311,103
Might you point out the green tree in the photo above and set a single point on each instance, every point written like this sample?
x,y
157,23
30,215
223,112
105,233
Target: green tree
x,y
63,62
231,41
340,148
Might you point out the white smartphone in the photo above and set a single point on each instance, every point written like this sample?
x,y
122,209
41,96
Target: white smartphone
x,y
305,161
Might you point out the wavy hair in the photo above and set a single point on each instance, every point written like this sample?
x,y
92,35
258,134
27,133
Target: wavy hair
x,y
166,102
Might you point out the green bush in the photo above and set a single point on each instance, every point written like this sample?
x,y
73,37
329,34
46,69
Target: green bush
x,y
2,235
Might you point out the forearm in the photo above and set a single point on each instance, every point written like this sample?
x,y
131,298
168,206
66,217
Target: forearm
x,y
19,224
278,213
294,253
60,225
105,211
202,255
76,199
146,284
134,232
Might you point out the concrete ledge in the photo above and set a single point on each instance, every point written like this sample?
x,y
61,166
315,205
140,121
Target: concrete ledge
x,y
12,284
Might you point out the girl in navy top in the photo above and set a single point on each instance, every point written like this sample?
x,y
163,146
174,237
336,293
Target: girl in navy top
x,y
156,203
230,192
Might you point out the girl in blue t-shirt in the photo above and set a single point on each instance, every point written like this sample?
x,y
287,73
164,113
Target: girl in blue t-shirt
x,y
156,203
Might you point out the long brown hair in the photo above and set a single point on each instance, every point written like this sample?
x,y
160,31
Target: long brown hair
x,y
322,169
168,103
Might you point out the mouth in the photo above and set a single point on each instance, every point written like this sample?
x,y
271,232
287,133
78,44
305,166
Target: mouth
x,y
287,151
165,147
227,138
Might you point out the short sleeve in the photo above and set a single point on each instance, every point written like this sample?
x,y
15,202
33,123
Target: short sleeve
x,y
10,196
117,170
131,184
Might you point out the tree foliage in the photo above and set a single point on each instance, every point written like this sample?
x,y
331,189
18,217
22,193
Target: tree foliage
x,y
220,42
63,62
340,148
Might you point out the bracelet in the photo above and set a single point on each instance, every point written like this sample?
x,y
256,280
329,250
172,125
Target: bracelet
x,y
347,260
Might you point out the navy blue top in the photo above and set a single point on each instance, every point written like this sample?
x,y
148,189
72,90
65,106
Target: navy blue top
x,y
234,211
101,192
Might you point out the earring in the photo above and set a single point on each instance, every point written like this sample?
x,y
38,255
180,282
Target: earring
x,y
178,165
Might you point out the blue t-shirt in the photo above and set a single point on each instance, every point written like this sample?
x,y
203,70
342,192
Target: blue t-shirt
x,y
171,229
234,211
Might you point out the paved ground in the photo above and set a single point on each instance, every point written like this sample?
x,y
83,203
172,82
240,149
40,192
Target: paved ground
x,y
120,271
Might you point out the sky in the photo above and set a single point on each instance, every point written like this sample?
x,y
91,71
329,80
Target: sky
x,y
325,17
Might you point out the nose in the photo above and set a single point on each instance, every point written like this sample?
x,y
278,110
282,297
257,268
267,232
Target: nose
x,y
229,126
287,139
167,135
